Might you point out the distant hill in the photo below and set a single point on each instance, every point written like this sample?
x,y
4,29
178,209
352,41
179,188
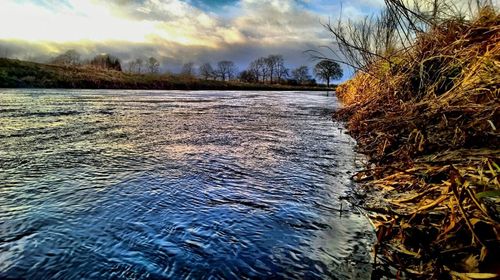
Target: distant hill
x,y
23,74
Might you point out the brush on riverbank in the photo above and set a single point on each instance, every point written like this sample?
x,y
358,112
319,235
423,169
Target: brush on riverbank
x,y
428,121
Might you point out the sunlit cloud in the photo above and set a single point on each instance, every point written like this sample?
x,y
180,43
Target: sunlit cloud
x,y
85,20
176,31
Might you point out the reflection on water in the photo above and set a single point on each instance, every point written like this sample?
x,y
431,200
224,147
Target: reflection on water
x,y
201,185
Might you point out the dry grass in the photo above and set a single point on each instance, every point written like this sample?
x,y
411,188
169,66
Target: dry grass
x,y
429,123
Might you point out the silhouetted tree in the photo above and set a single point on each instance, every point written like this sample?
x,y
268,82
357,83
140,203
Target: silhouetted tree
x,y
153,65
135,66
301,74
206,71
326,70
259,68
226,70
70,57
139,64
188,69
275,67
248,77
131,66
106,61
269,69
280,71
270,64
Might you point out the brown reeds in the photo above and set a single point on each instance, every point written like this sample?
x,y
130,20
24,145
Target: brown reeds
x,y
429,121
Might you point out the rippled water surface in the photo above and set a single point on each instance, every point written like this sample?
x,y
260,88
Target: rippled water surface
x,y
176,185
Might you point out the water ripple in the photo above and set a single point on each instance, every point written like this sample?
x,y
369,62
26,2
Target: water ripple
x,y
175,185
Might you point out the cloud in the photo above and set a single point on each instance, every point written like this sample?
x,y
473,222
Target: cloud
x,y
78,20
277,22
176,31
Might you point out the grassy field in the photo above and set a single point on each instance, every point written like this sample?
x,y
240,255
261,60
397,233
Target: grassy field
x,y
23,74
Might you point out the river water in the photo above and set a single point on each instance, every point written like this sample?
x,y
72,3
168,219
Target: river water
x,y
176,185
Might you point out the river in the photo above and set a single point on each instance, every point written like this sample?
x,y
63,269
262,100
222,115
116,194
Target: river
x,y
176,185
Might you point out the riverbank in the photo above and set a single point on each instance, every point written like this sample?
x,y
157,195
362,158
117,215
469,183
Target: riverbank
x,y
429,125
24,74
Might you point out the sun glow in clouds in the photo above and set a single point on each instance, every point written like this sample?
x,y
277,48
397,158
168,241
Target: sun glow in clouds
x,y
81,21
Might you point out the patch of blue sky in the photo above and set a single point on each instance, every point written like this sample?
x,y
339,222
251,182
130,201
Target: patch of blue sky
x,y
334,8
212,5
49,4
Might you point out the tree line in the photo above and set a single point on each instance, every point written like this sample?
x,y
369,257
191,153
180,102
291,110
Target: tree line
x,y
264,70
106,61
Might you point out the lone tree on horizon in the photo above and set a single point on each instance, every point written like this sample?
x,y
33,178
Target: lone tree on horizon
x,y
328,70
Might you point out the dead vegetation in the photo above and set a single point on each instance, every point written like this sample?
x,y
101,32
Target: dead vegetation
x,y
427,115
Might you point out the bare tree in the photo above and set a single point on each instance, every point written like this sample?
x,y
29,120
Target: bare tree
x,y
206,71
248,76
106,61
276,68
188,69
135,66
271,62
327,70
269,69
70,57
259,68
139,64
131,66
280,71
226,70
253,68
153,65
359,44
301,74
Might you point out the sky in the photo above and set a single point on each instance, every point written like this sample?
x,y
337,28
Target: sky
x,y
174,31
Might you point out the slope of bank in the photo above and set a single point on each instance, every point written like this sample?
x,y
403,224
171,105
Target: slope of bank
x,y
23,74
429,123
